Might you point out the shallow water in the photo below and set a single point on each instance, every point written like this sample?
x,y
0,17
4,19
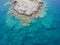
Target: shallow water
x,y
44,31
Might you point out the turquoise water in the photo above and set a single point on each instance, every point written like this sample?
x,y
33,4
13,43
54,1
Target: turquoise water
x,y
44,31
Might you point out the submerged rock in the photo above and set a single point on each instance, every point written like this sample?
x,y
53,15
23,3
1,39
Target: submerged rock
x,y
26,10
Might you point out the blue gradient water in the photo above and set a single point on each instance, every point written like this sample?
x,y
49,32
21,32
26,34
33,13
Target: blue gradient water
x,y
44,31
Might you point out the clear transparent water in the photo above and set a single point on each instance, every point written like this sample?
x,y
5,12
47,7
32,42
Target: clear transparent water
x,y
44,31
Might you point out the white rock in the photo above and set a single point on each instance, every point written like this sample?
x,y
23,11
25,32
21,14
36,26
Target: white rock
x,y
26,6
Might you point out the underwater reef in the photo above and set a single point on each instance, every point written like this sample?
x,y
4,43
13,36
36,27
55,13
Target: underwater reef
x,y
42,31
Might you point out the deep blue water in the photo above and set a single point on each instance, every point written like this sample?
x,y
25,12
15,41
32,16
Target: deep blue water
x,y
44,31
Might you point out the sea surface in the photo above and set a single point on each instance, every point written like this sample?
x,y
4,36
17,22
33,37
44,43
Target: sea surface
x,y
43,31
